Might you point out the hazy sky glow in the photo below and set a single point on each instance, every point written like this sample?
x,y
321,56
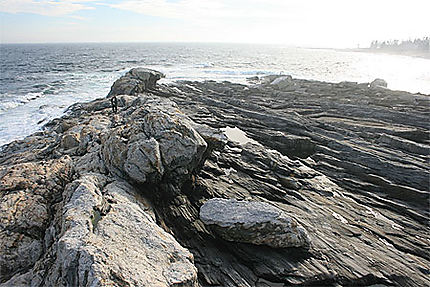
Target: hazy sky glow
x,y
317,23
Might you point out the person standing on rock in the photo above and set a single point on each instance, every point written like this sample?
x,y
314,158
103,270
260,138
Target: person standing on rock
x,y
114,103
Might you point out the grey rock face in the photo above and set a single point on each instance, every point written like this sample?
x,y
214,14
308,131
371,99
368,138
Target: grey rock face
x,y
70,140
378,83
28,190
290,145
358,181
253,222
97,234
143,159
95,250
158,141
135,81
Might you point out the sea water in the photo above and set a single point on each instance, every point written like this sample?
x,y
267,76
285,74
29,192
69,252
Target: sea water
x,y
39,81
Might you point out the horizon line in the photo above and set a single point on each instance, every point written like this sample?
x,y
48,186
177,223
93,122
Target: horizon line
x,y
179,42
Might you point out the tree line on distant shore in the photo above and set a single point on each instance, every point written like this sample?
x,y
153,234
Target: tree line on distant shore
x,y
406,45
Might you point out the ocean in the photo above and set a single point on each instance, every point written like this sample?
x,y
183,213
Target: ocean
x,y
39,81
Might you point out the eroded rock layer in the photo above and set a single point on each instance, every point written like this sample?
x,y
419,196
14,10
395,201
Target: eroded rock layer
x,y
331,188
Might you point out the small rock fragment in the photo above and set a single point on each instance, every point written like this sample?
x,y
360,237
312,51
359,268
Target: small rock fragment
x,y
70,140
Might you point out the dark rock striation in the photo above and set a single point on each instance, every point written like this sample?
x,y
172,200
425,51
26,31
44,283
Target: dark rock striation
x,y
332,188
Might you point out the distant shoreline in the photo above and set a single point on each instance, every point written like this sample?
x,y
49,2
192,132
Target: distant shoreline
x,y
415,54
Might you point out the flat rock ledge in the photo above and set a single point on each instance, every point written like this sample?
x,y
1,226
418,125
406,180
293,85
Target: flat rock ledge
x,y
253,222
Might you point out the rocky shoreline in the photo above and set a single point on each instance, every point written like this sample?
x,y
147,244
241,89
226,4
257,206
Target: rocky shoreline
x,y
330,187
408,53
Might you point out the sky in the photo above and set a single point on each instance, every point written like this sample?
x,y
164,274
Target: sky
x,y
309,23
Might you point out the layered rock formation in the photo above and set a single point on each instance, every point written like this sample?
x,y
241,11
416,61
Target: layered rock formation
x,y
333,188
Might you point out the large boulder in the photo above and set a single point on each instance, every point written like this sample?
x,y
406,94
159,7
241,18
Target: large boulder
x,y
135,81
378,83
253,222
158,141
279,82
284,83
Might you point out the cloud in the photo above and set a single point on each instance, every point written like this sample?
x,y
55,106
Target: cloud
x,y
331,23
44,7
204,9
273,9
76,17
301,21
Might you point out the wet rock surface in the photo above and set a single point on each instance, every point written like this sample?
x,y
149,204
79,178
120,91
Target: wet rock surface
x,y
118,199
